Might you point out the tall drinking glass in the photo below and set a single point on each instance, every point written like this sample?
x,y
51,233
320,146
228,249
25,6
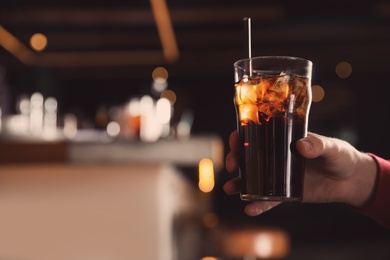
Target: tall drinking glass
x,y
272,99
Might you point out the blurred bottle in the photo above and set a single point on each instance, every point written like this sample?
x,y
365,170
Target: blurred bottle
x,y
50,118
4,94
101,117
36,114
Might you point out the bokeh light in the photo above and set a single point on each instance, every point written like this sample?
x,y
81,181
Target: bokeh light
x,y
70,125
209,258
170,95
38,42
160,74
264,245
318,93
343,69
163,110
113,129
206,175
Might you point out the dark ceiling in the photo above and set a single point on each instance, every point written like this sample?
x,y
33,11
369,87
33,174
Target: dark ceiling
x,y
124,33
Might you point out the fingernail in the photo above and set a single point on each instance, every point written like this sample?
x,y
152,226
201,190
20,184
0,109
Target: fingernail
x,y
258,211
307,145
254,211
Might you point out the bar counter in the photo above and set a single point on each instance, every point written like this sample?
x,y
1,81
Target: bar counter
x,y
102,200
187,152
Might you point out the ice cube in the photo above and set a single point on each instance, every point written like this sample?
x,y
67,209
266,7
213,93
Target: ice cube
x,y
261,88
299,86
303,106
273,97
265,111
280,86
248,112
246,93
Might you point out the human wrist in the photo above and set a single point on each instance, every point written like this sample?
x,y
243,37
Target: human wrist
x,y
363,181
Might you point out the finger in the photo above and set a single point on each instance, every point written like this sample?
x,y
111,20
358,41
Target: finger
x,y
258,207
233,141
231,162
315,145
233,186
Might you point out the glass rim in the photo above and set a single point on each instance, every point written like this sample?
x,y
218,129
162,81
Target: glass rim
x,y
278,57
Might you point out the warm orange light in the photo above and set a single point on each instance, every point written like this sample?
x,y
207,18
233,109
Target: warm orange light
x,y
343,69
318,93
206,175
261,243
160,74
170,95
165,29
38,42
209,258
15,47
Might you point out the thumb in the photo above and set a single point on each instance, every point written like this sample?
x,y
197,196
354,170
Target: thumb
x,y
315,145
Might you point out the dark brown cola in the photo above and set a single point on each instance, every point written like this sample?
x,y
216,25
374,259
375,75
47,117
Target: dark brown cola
x,y
272,115
269,170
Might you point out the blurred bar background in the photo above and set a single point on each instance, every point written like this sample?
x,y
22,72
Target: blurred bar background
x,y
115,118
